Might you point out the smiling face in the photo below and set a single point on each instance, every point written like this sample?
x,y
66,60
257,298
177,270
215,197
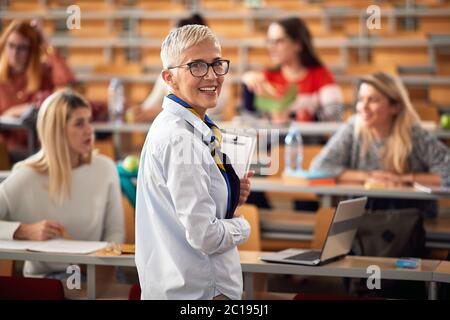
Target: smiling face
x,y
200,92
282,49
374,108
17,51
80,132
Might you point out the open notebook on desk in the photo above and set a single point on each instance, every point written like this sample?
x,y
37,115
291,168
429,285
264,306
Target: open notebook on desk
x,y
54,246
437,190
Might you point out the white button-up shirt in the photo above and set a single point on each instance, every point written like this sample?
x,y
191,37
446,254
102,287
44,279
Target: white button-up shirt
x,y
185,249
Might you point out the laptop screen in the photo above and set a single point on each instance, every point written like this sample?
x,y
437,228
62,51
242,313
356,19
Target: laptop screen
x,y
342,230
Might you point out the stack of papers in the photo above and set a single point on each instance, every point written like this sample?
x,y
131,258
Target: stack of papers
x,y
443,191
54,246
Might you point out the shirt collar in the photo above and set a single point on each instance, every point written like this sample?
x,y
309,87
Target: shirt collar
x,y
178,107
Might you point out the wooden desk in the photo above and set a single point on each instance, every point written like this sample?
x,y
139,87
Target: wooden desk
x,y
281,185
348,267
11,123
351,266
442,272
438,233
288,220
120,127
307,129
90,261
322,128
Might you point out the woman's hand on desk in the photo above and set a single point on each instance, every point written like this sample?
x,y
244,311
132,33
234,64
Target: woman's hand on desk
x,y
39,231
387,179
390,179
408,179
245,187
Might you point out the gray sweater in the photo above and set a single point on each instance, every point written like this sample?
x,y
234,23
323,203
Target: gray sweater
x,y
428,155
343,149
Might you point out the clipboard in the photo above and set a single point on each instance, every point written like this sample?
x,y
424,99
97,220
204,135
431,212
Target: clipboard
x,y
239,148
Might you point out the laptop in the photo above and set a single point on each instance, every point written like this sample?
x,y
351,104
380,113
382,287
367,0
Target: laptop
x,y
338,242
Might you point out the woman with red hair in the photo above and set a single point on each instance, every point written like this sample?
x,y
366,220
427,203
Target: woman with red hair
x,y
30,69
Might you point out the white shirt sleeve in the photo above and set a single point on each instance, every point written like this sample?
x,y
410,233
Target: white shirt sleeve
x,y
114,229
189,184
7,228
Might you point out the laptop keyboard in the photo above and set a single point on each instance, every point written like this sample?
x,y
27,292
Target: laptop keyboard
x,y
306,256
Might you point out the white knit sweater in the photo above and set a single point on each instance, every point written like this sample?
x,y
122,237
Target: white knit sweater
x,y
93,212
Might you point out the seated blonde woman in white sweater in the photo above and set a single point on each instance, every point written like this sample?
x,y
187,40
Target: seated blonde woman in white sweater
x,y
64,188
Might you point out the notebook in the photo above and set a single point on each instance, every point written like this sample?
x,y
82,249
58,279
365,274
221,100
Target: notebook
x,y
54,246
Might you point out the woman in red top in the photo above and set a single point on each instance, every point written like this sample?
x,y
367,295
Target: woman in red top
x,y
319,98
25,80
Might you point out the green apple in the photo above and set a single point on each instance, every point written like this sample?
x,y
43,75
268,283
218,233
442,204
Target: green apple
x,y
131,163
445,121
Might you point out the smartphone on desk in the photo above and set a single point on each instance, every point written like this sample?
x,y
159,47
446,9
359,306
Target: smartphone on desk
x,y
407,263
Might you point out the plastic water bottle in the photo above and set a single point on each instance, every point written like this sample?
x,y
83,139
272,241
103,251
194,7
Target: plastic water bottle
x,y
116,100
254,3
293,151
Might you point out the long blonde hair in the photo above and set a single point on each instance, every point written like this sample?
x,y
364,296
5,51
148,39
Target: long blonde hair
x,y
33,69
54,156
398,146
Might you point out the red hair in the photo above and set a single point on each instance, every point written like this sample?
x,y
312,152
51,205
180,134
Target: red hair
x,y
33,68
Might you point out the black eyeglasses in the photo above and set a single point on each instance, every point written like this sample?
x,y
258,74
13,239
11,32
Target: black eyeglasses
x,y
200,69
19,47
275,42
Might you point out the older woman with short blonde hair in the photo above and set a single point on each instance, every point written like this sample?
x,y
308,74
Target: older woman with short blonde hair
x,y
187,229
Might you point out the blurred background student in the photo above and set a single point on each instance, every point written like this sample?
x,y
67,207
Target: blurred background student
x,y
64,189
151,107
319,98
30,69
384,146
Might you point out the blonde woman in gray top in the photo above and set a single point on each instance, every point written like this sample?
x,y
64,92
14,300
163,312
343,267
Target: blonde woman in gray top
x,y
384,144
64,188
